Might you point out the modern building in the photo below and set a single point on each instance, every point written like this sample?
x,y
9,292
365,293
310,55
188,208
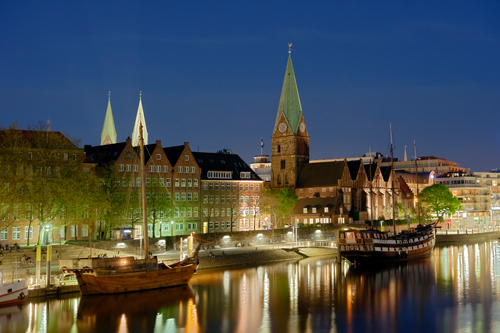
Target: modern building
x,y
262,166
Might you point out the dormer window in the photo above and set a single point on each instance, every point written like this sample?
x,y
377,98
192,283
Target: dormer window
x,y
304,210
158,157
186,158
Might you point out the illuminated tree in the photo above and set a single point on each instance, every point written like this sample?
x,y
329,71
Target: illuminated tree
x,y
438,200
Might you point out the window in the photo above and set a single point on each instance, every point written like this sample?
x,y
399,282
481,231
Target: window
x,y
190,196
136,168
241,199
216,186
211,199
177,196
155,182
183,196
246,187
158,157
193,170
121,168
85,230
30,156
74,157
180,169
195,196
257,187
183,182
195,211
223,199
282,164
189,212
205,186
246,199
138,182
326,209
162,182
241,187
65,156
177,182
217,199
304,210
219,174
211,186
228,211
168,183
165,168
223,186
195,183
228,185
148,182
245,174
190,182
129,167
158,168
151,168
234,187
4,234
16,233
176,214
186,158
251,187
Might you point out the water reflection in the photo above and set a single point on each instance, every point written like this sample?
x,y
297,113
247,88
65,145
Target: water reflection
x,y
455,290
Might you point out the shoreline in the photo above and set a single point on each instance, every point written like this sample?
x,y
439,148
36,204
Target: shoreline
x,y
262,257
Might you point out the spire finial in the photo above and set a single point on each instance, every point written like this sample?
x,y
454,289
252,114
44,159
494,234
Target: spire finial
x,y
290,47
140,94
109,95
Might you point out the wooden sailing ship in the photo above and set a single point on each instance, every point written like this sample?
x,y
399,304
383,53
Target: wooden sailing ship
x,y
127,274
374,246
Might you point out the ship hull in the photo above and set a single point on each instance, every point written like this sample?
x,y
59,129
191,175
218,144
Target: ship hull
x,y
13,293
374,247
94,283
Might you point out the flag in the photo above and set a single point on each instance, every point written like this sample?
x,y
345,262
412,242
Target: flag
x,y
261,143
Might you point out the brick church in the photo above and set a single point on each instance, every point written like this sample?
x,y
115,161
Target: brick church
x,y
329,191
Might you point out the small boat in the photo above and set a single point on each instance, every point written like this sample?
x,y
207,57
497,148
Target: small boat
x,y
374,246
126,274
14,292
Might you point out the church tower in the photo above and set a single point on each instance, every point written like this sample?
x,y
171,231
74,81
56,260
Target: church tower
x,y
108,134
139,119
290,140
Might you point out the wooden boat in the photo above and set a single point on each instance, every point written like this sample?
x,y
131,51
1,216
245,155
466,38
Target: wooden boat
x,y
373,246
14,292
127,274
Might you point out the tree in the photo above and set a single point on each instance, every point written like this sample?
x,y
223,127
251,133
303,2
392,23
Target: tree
x,y
279,204
438,200
159,204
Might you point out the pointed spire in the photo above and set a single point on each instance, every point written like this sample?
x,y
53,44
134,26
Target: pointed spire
x,y
290,105
108,134
405,155
139,120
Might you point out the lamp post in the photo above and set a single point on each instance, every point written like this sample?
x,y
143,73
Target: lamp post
x,y
172,227
160,229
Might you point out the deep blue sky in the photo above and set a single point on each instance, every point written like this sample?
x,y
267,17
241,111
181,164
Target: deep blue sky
x,y
211,72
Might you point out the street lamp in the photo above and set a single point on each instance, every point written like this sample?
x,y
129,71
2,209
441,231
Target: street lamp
x,y
160,229
172,227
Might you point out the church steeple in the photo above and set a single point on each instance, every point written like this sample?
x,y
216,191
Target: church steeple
x,y
139,119
108,134
289,107
290,140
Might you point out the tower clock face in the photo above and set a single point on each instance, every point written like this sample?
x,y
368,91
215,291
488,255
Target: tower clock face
x,y
302,127
282,127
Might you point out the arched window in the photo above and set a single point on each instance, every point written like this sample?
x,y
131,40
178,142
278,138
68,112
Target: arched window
x,y
282,164
279,148
279,179
286,179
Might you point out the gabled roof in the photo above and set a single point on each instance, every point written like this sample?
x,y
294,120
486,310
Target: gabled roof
x,y
223,162
320,174
104,154
405,188
353,167
373,170
386,172
148,150
290,105
36,139
332,202
173,153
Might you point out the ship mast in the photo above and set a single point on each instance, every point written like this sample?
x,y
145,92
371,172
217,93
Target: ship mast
x,y
392,182
416,175
143,191
371,188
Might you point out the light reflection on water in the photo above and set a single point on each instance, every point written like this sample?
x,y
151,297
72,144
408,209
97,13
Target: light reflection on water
x,y
456,290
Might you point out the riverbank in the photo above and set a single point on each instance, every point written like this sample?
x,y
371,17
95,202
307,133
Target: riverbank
x,y
220,260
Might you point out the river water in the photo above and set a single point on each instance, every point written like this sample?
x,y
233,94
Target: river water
x,y
456,290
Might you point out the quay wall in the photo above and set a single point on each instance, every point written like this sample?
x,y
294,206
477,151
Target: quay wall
x,y
453,237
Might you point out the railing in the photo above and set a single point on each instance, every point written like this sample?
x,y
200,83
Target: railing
x,y
466,231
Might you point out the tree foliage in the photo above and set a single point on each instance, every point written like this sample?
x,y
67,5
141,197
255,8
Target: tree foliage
x,y
279,204
438,200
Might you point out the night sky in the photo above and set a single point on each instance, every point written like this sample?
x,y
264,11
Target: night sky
x,y
211,73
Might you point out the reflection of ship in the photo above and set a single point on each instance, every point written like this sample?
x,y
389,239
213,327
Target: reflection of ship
x,y
14,292
141,309
121,275
373,246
